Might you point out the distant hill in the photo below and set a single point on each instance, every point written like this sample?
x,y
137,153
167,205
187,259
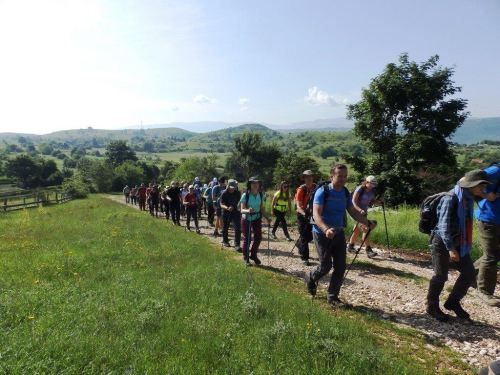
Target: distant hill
x,y
478,129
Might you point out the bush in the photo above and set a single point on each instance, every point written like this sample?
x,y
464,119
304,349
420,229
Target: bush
x,y
76,186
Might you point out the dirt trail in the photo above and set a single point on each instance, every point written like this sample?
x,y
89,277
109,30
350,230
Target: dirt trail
x,y
393,286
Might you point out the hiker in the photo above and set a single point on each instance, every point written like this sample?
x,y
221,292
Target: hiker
x,y
174,201
210,205
216,193
190,201
198,197
451,238
184,191
133,197
281,206
196,183
136,194
154,200
142,197
328,232
164,203
303,223
252,208
204,198
126,193
488,225
229,200
363,197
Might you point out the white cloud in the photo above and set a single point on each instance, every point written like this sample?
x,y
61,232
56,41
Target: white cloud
x,y
245,108
318,98
204,99
230,113
243,100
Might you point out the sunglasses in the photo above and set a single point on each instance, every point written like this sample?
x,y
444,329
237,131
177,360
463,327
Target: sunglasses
x,y
285,187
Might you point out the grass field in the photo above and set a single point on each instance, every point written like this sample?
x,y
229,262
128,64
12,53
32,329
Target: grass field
x,y
94,286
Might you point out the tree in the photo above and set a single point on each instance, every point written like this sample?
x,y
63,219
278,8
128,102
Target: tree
x,y
204,168
25,169
405,120
117,152
128,173
22,140
168,169
45,149
290,167
252,156
76,186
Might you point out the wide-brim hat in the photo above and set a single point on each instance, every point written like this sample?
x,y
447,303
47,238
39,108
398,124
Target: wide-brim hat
x,y
307,172
474,178
232,184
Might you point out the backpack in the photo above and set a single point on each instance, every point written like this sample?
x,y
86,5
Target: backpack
x,y
428,212
308,208
247,197
495,189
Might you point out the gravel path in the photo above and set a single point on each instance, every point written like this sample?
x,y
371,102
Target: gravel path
x,y
394,287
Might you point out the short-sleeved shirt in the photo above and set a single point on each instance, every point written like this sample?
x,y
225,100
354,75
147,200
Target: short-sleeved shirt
x,y
254,201
334,207
366,198
208,193
486,210
142,192
191,199
304,197
230,199
173,193
217,191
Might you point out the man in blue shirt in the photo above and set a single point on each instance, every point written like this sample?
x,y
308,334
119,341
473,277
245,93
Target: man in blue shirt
x,y
328,233
452,239
488,225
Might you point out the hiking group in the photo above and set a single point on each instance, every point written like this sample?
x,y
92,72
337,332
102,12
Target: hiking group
x,y
322,209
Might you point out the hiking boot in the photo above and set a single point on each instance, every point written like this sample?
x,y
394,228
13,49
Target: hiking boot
x,y
255,259
179,223
454,305
434,311
247,262
489,299
289,239
370,253
216,234
198,231
188,229
306,262
351,249
312,286
226,244
273,235
337,303
238,249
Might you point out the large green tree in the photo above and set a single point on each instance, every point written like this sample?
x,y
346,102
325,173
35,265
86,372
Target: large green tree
x,y
25,169
406,118
290,167
117,152
252,156
204,168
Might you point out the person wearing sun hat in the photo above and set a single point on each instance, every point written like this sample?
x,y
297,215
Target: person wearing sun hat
x,y
362,197
452,239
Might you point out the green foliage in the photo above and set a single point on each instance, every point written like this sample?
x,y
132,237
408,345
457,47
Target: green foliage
x,y
290,166
25,169
168,169
100,174
405,122
76,186
204,168
45,149
117,152
128,173
253,157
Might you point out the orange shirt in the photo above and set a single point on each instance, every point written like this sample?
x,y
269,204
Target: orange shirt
x,y
301,197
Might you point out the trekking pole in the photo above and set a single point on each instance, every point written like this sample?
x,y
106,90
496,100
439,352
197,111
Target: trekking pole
x,y
386,232
248,240
356,255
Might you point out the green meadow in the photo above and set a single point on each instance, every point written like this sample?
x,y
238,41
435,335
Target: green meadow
x,y
93,286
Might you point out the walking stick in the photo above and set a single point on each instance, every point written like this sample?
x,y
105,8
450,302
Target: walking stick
x,y
356,255
386,232
248,241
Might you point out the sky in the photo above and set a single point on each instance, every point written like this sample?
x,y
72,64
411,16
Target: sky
x,y
116,63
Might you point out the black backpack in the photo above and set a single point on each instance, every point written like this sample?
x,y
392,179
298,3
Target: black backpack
x,y
428,211
308,208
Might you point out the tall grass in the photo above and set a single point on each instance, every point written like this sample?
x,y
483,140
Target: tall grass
x,y
97,287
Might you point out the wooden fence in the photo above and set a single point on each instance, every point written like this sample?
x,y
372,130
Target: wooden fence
x,y
36,199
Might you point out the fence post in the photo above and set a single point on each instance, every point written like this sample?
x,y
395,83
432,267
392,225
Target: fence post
x,y
5,204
